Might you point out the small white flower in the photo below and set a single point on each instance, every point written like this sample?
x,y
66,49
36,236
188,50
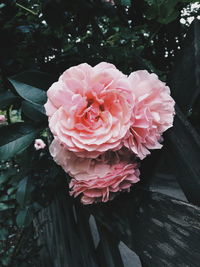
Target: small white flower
x,y
39,144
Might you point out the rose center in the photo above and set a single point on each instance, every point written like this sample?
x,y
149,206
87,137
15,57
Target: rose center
x,y
90,102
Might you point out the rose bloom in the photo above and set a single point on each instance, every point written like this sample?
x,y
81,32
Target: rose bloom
x,y
153,113
90,109
2,118
39,144
98,179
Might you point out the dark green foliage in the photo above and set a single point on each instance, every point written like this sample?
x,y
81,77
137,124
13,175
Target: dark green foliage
x,y
15,139
39,40
6,99
29,93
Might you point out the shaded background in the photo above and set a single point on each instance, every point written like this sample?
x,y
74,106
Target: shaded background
x,y
38,41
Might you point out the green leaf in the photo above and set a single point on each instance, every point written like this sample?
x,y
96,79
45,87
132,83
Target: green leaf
x,y
30,85
36,79
4,206
164,11
24,217
4,198
22,192
6,99
15,138
6,174
125,2
29,93
34,112
5,260
169,18
150,2
3,234
11,190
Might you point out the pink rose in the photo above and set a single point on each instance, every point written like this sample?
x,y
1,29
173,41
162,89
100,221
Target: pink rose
x,y
90,108
39,144
2,118
97,179
152,114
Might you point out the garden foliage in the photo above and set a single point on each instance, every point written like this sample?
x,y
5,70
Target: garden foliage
x,y
41,39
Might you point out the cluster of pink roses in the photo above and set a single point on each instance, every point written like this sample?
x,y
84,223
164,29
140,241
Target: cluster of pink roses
x,y
102,121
